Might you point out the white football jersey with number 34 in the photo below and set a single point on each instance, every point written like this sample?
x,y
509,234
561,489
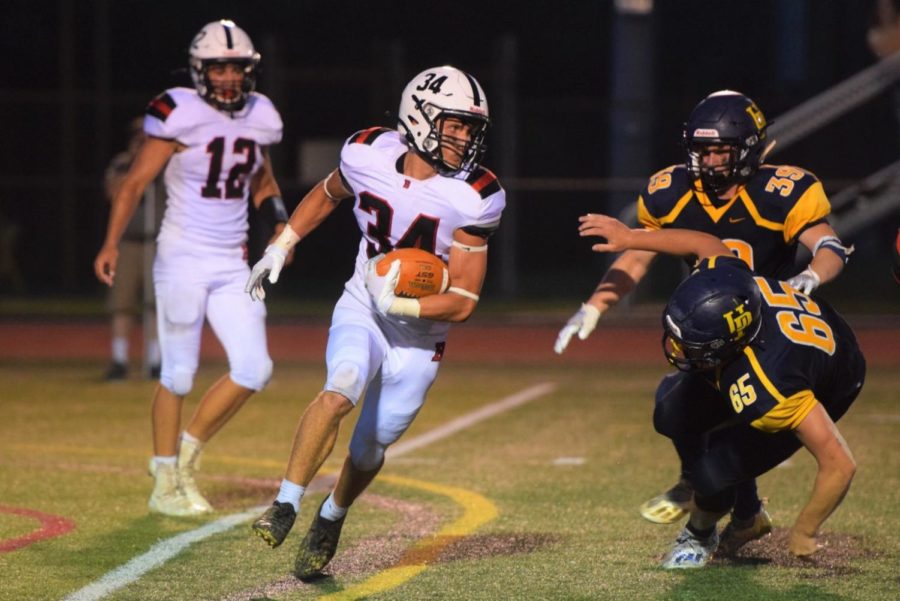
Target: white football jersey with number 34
x,y
208,180
396,211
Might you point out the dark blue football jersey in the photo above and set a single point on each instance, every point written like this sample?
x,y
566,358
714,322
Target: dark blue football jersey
x,y
761,224
805,352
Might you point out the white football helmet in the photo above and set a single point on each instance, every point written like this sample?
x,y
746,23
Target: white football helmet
x,y
428,99
222,42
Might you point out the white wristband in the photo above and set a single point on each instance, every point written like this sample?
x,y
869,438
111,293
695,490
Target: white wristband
x,y
287,239
405,307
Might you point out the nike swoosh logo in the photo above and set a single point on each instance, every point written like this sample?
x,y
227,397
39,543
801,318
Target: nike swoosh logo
x,y
735,219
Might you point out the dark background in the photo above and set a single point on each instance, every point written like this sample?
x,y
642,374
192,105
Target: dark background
x,y
77,71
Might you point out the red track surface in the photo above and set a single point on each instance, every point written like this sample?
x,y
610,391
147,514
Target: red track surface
x,y
507,344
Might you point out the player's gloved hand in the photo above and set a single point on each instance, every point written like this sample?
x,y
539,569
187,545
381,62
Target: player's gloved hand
x,y
806,281
270,264
381,287
583,322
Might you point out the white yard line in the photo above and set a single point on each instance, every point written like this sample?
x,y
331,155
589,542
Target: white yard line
x,y
165,550
469,419
158,554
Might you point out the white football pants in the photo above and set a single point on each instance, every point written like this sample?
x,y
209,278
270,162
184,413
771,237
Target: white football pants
x,y
193,283
395,368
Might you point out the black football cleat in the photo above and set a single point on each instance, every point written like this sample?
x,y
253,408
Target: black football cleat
x,y
273,525
318,547
116,371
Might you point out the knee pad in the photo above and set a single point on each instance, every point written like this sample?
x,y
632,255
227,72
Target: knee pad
x,y
712,475
366,456
346,380
668,420
181,382
254,377
661,416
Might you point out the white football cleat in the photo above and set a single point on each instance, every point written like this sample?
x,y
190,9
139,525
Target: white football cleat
x,y
167,497
188,463
690,551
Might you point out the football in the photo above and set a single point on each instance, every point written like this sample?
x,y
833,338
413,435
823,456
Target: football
x,y
421,273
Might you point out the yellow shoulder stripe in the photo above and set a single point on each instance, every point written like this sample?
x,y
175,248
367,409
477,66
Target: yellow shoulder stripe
x,y
812,206
754,213
789,412
645,218
677,209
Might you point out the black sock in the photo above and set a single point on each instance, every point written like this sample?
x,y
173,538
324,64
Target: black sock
x,y
746,502
701,534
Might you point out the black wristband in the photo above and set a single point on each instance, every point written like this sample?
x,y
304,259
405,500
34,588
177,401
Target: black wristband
x,y
272,211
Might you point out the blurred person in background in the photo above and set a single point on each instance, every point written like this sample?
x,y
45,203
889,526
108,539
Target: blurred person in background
x,y
884,32
213,140
762,213
884,41
125,300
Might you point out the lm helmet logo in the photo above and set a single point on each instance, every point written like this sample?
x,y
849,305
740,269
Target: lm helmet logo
x,y
738,320
757,115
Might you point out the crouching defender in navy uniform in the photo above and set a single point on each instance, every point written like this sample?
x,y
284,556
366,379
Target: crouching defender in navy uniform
x,y
781,369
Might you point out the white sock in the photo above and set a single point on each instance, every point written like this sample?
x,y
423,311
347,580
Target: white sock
x,y
330,510
165,459
186,436
120,349
290,493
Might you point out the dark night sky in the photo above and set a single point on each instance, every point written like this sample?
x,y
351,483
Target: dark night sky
x,y
780,52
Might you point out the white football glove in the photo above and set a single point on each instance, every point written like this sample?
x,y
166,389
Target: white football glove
x,y
806,281
583,322
270,264
381,287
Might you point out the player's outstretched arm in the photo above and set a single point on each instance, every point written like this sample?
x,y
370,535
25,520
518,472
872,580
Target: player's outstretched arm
x,y
673,241
821,437
618,282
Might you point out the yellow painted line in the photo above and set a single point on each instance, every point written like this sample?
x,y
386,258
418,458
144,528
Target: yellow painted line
x,y
477,511
122,452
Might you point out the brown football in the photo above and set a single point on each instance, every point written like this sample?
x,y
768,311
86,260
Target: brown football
x,y
421,273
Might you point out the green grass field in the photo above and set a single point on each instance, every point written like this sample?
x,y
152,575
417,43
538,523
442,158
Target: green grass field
x,y
538,502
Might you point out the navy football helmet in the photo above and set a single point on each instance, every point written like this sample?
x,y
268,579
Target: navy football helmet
x,y
725,118
711,317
